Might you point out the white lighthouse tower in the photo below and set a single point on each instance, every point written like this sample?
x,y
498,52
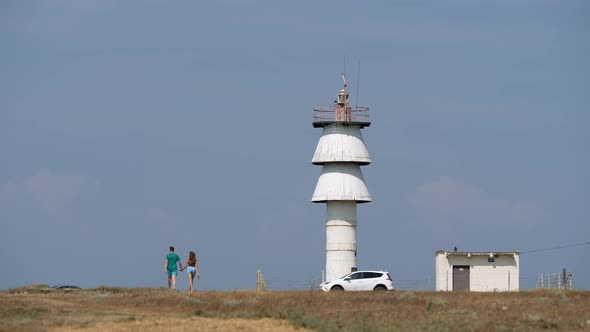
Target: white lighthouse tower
x,y
341,150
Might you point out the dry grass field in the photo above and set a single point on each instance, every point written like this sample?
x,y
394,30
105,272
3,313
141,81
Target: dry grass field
x,y
37,308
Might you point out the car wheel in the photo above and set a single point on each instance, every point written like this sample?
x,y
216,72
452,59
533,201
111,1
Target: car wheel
x,y
337,288
380,288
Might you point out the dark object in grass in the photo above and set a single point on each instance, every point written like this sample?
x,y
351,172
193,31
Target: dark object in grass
x,y
65,287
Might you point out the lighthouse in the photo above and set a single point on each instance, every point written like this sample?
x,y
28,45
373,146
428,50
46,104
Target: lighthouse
x,y
341,151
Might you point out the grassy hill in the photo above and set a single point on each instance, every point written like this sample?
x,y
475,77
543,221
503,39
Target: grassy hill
x,y
156,309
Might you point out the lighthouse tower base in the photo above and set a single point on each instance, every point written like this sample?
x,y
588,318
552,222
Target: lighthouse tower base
x,y
340,238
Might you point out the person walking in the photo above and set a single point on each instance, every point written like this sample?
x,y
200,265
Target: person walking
x,y
170,267
192,269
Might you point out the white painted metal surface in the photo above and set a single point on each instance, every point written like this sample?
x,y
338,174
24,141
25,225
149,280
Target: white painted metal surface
x,y
340,238
341,182
501,275
341,143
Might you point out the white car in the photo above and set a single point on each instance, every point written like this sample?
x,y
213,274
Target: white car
x,y
360,281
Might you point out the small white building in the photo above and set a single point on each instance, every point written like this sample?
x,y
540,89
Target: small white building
x,y
477,271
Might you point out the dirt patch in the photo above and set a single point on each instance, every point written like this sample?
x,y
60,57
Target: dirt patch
x,y
189,324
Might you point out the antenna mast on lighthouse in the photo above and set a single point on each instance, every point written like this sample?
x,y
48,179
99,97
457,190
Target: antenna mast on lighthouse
x,y
341,151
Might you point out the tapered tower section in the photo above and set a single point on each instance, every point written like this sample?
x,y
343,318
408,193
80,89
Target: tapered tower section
x,y
342,151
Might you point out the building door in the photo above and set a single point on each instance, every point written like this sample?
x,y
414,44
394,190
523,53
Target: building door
x,y
460,277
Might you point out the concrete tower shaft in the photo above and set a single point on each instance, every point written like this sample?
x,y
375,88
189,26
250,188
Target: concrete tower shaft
x,y
340,238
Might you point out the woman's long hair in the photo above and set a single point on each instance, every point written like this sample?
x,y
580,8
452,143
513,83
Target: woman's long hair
x,y
192,257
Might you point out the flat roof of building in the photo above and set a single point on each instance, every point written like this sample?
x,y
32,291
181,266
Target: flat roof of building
x,y
478,253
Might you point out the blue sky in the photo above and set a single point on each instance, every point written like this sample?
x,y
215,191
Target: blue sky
x,y
126,127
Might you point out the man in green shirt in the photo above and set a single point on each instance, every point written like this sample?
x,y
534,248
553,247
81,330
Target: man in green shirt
x,y
170,267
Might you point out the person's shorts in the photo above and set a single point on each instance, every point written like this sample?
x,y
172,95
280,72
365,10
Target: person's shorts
x,y
172,273
191,270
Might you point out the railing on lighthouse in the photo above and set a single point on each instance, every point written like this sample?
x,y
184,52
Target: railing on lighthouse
x,y
326,115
